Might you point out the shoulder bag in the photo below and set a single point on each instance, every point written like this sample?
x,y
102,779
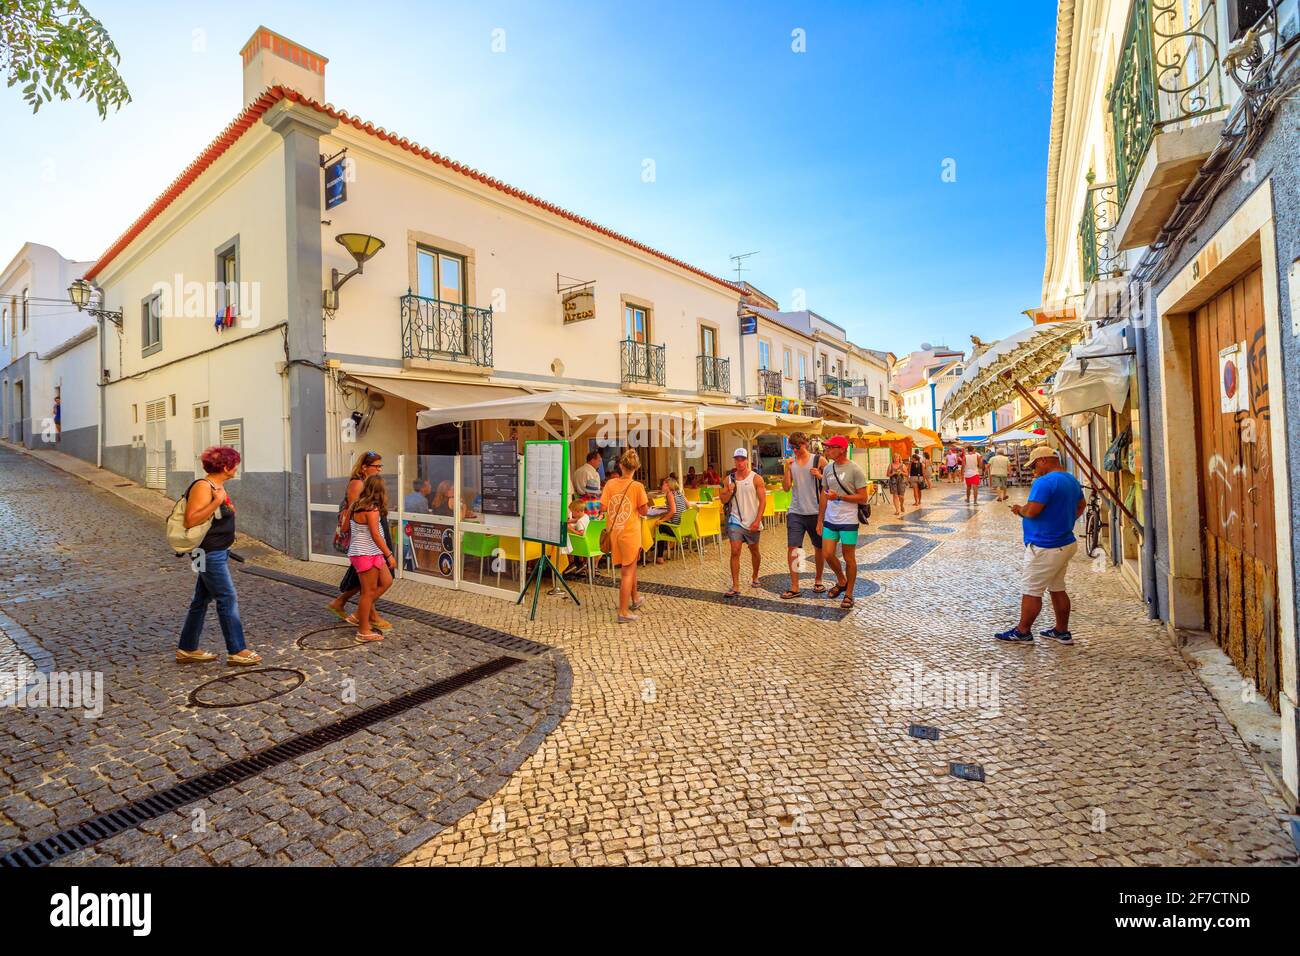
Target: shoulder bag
x,y
864,507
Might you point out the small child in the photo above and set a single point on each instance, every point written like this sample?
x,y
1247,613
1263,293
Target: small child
x,y
578,521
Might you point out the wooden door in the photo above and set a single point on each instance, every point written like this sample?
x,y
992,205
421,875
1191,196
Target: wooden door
x,y
1236,477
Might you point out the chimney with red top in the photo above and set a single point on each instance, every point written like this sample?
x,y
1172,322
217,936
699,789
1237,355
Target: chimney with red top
x,y
273,60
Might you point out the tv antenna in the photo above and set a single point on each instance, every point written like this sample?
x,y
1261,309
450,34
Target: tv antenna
x,y
740,260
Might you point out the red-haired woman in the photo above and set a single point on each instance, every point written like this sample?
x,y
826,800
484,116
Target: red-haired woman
x,y
207,498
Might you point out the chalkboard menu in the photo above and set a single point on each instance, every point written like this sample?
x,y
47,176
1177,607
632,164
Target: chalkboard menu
x,y
500,478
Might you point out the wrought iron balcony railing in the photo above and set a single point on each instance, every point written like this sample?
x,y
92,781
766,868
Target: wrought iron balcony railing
x,y
642,363
1097,233
712,374
807,390
1168,73
769,381
433,329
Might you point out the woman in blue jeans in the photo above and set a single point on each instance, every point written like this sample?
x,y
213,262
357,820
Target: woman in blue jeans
x,y
205,499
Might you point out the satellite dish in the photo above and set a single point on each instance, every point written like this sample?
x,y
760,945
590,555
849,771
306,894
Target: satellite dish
x,y
926,346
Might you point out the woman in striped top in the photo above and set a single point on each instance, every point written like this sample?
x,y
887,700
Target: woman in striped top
x,y
677,506
368,552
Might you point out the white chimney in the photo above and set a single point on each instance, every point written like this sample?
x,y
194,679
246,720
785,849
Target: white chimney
x,y
273,60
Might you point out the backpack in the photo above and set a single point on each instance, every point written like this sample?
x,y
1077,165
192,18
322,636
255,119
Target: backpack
x,y
181,539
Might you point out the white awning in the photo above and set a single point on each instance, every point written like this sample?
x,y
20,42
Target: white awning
x,y
569,406
1095,373
428,394
1025,358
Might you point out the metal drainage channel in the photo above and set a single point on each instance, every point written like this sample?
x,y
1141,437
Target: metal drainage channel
x,y
131,815
488,635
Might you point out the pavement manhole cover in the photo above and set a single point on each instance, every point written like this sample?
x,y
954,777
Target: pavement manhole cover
x,y
247,687
340,637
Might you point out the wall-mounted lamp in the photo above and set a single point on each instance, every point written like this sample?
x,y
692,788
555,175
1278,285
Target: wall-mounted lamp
x,y
80,294
362,248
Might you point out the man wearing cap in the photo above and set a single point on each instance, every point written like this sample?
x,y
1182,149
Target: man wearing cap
x,y
745,492
802,478
844,487
1054,505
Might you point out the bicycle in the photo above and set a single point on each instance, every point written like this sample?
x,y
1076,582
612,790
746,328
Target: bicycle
x,y
1092,523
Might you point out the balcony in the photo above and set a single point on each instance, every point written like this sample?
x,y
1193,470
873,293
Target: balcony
x,y
1101,260
445,334
807,390
713,374
642,366
769,382
1168,87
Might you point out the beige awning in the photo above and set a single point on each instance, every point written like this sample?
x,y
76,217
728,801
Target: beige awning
x,y
873,422
1025,358
428,394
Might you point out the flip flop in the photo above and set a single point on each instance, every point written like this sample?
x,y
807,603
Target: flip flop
x,y
789,595
755,584
369,638
733,593
847,603
836,591
819,588
341,615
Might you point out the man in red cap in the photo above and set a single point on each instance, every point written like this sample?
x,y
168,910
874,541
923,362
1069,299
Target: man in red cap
x,y
844,487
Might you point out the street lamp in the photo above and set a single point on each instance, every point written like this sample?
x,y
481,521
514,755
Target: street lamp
x,y
361,248
81,292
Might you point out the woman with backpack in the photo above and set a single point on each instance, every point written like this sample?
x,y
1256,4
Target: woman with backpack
x,y
206,500
367,466
369,554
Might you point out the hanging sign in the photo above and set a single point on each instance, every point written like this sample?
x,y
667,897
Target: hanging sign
x,y
546,492
1234,379
500,472
336,183
855,391
748,324
579,305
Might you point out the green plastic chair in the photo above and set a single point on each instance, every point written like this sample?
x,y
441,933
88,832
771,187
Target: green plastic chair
x,y
588,546
475,545
685,531
706,494
782,502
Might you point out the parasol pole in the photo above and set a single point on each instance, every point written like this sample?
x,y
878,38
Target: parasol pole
x,y
1055,423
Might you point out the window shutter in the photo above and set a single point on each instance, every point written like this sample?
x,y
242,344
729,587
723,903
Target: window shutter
x,y
232,436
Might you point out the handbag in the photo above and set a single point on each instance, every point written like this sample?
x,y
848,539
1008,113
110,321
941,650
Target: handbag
x,y
343,529
182,539
607,539
864,507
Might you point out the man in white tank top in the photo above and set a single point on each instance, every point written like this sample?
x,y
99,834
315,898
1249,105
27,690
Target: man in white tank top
x,y
747,495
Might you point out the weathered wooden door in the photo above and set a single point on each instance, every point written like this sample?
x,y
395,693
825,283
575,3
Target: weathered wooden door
x,y
1236,474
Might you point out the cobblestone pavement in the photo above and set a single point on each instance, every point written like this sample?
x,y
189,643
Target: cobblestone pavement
x,y
86,584
754,732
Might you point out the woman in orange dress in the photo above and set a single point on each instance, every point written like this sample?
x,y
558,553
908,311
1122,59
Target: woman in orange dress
x,y
625,503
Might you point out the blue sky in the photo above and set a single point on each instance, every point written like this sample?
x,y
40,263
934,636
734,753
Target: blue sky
x,y
828,162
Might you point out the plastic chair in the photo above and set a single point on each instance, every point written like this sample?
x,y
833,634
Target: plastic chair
x,y
708,523
475,545
588,546
706,494
691,494
510,552
686,531
769,506
783,499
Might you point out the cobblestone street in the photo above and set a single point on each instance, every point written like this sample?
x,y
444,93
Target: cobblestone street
x,y
746,732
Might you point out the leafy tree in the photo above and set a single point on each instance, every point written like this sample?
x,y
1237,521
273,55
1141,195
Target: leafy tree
x,y
56,48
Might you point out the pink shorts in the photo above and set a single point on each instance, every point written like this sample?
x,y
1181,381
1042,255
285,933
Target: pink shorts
x,y
364,562
973,480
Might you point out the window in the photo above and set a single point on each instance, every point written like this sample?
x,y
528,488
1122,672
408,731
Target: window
x,y
439,275
26,300
764,354
803,367
787,363
4,326
232,436
708,341
228,277
151,324
636,322
201,435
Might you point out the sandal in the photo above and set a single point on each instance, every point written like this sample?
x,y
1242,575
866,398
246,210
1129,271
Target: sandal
x,y
836,591
369,638
847,603
194,657
244,658
341,615
755,584
819,588
379,624
733,593
636,605
789,595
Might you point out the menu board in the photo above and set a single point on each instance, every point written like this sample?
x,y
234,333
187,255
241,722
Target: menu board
x,y
500,472
878,462
546,491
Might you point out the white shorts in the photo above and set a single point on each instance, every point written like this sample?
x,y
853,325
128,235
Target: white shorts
x,y
1044,568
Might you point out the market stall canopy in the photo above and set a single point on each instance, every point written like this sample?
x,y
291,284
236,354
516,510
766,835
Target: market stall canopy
x,y
1095,373
568,406
853,413
848,429
437,394
1028,357
755,421
1015,434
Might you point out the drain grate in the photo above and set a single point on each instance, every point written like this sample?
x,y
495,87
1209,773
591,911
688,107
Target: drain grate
x,y
160,802
488,635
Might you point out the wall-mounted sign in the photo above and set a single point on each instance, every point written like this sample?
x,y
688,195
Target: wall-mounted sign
x,y
500,472
782,406
336,183
748,324
856,391
579,305
1234,379
430,548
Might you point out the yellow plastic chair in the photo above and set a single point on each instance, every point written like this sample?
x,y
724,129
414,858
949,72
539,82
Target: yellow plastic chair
x,y
692,494
708,522
510,552
769,506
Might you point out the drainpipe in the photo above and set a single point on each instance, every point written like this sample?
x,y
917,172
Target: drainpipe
x,y
1148,509
99,377
934,411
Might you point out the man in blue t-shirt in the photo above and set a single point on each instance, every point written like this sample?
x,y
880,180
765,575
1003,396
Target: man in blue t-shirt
x,y
1055,503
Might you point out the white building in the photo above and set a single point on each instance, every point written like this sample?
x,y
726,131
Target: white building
x,y
48,351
